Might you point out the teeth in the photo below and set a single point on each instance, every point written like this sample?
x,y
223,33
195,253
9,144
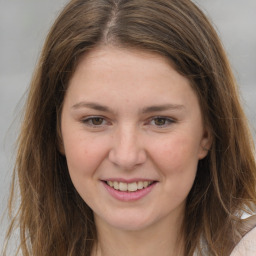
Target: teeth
x,y
140,185
131,187
123,186
145,184
116,185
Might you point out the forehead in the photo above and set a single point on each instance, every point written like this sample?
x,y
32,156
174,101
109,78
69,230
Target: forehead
x,y
108,61
112,74
112,56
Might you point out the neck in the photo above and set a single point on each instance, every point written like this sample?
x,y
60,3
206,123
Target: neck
x,y
151,241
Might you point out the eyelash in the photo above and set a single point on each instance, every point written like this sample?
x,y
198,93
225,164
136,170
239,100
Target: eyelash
x,y
89,121
167,121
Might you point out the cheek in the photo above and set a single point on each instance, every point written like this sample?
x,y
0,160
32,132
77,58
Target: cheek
x,y
84,156
177,155
176,161
83,153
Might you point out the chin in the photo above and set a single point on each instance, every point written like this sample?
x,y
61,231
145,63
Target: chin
x,y
127,222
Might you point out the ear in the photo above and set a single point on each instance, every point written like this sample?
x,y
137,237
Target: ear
x,y
205,144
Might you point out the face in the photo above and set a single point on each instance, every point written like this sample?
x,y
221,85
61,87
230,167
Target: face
x,y
132,135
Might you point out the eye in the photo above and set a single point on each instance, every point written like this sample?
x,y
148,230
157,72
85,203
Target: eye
x,y
161,122
94,121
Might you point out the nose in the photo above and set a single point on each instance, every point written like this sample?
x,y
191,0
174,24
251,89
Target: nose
x,y
127,150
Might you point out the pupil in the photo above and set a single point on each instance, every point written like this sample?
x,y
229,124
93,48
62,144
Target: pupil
x,y
97,121
159,121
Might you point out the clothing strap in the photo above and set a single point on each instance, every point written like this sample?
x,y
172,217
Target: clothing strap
x,y
248,225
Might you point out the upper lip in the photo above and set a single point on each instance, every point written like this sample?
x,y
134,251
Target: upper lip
x,y
128,180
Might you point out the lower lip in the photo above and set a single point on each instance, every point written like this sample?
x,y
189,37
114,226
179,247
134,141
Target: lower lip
x,y
129,196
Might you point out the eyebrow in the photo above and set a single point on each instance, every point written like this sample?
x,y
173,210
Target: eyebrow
x,y
91,105
159,108
145,110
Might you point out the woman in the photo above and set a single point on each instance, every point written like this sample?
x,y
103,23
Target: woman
x,y
134,141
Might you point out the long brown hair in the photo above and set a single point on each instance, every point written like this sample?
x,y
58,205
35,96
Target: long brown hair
x,y
52,218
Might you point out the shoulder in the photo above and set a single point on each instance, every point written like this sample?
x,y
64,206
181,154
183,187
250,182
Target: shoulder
x,y
247,246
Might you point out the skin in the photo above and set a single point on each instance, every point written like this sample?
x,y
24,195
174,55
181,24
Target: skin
x,y
149,126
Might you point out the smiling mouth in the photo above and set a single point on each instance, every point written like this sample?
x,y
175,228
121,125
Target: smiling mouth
x,y
129,187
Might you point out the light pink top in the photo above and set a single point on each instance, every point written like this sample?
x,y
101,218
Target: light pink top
x,y
247,246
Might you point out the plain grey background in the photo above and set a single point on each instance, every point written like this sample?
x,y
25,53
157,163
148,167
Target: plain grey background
x,y
24,25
